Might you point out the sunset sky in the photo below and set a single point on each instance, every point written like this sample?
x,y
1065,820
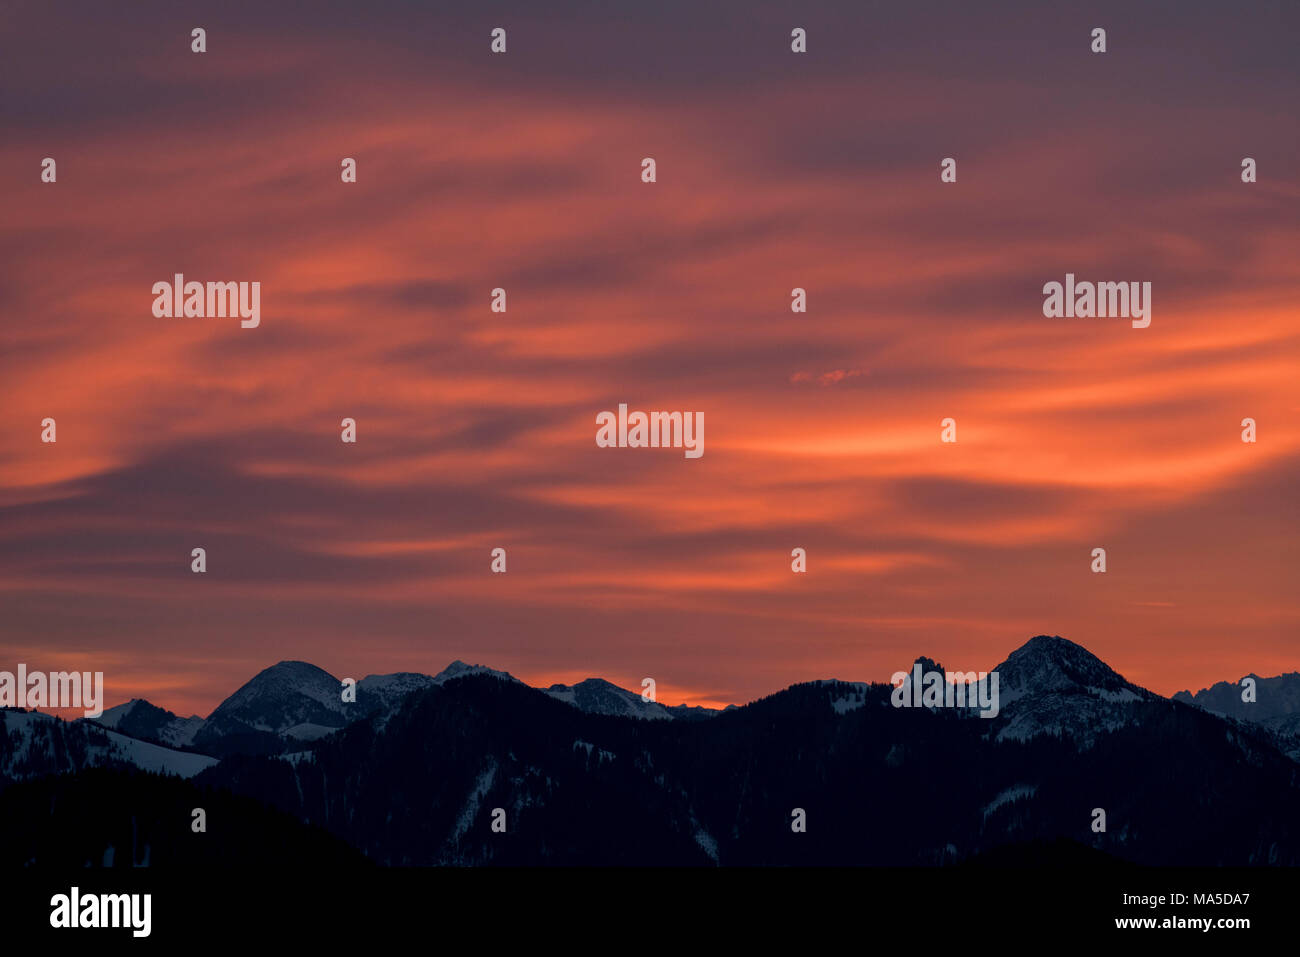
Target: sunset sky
x,y
477,430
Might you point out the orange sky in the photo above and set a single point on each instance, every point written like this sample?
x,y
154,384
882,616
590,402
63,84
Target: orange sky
x,y
476,429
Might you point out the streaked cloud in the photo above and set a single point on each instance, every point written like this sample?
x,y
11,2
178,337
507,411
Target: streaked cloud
x,y
476,429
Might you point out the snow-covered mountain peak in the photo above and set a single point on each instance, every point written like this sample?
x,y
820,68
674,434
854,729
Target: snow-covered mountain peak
x,y
39,743
1050,685
459,669
142,719
287,694
598,696
1049,663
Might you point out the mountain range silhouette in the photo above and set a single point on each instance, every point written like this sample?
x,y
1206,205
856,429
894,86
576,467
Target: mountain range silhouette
x,y
417,769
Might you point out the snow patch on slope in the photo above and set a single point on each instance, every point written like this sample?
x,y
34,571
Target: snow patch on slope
x,y
36,732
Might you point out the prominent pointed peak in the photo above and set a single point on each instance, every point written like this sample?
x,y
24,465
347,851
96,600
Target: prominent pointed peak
x,y
1048,666
1053,685
1046,662
1055,645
